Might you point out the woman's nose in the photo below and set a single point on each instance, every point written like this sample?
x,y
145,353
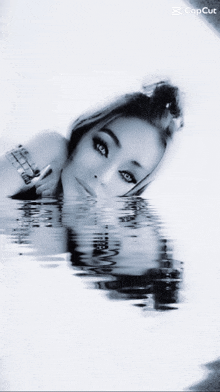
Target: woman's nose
x,y
105,177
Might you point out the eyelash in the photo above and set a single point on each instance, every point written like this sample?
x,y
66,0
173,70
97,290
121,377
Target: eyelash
x,y
123,175
100,145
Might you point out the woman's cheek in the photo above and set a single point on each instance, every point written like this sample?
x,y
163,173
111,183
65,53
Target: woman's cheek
x,y
90,163
118,188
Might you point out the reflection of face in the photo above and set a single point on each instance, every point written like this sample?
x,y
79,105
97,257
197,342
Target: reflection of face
x,y
111,160
116,239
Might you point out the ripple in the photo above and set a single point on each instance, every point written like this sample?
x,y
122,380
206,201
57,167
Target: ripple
x,y
120,245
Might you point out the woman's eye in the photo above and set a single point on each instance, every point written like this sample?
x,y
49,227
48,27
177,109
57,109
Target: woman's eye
x,y
128,177
100,146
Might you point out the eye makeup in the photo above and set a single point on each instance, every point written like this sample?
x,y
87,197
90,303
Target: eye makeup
x,y
112,135
100,145
128,176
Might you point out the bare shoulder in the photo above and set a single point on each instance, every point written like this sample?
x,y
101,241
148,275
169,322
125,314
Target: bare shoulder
x,y
46,147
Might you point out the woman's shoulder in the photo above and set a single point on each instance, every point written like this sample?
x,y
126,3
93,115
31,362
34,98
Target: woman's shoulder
x,y
50,136
46,147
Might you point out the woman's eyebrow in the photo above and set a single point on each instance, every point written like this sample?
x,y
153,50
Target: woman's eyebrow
x,y
112,134
135,163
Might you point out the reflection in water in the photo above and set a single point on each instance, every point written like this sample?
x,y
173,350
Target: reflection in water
x,y
119,247
160,284
212,382
130,257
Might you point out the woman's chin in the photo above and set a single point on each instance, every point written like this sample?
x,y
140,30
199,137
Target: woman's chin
x,y
72,190
74,196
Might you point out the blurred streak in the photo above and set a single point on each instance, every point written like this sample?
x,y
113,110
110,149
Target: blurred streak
x,y
212,382
212,20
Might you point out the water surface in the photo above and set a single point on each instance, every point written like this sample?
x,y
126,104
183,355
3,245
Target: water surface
x,y
93,298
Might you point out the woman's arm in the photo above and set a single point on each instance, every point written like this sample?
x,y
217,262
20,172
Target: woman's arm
x,y
47,148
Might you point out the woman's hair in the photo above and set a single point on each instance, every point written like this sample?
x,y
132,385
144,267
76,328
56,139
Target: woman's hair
x,y
159,104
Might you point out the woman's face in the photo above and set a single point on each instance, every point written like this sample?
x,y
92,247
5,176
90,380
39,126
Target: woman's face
x,y
110,160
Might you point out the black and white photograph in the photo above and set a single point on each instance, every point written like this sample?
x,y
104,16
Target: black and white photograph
x,y
109,195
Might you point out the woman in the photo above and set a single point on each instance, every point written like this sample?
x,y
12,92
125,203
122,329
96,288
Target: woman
x,y
112,152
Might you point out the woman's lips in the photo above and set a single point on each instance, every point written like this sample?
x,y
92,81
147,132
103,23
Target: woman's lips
x,y
86,187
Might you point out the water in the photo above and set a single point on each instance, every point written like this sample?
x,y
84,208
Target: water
x,y
121,246
93,298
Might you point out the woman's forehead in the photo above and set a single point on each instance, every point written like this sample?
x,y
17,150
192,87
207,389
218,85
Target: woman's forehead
x,y
132,127
138,138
